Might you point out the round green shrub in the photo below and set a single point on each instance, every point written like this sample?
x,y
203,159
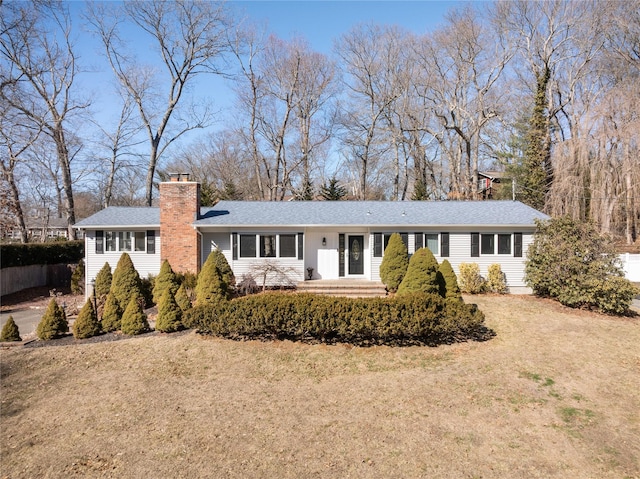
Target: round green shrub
x,y
126,282
448,281
77,278
54,322
183,299
169,314
134,321
214,280
422,274
394,263
111,314
166,279
496,280
470,279
86,324
10,331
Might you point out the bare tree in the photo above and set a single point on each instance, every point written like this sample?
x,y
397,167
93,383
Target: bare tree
x,y
190,38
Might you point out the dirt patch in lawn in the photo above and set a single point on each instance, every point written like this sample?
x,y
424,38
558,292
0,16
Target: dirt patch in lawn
x,y
555,394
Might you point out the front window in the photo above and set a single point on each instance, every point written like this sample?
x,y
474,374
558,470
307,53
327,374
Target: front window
x,y
110,239
139,240
267,246
287,246
487,244
504,244
432,242
247,246
124,237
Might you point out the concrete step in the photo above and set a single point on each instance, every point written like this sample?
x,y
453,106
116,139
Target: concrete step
x,y
348,288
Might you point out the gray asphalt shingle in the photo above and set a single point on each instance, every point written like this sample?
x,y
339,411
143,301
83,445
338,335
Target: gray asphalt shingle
x,y
122,216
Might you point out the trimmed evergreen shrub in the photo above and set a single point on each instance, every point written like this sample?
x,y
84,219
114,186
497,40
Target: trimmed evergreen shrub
x,y
77,278
165,280
214,280
169,314
394,263
448,281
10,331
125,283
422,274
14,254
86,324
496,280
470,280
111,314
182,298
54,322
103,282
134,321
146,291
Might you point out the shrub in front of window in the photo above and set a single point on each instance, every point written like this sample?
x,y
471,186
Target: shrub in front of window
x,y
448,281
213,285
166,279
169,314
86,324
134,321
182,298
54,322
422,274
394,263
77,278
126,282
573,263
10,331
111,314
497,280
470,279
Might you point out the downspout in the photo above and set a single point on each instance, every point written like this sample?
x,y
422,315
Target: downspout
x,y
201,248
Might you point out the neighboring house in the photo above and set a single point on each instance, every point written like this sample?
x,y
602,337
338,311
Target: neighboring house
x,y
338,240
40,229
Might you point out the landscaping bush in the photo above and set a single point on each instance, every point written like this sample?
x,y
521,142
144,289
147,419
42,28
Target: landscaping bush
x,y
214,280
169,314
134,321
10,331
103,283
86,324
496,280
470,280
125,283
448,281
422,274
165,280
77,279
573,263
182,298
412,318
111,314
54,322
394,263
41,253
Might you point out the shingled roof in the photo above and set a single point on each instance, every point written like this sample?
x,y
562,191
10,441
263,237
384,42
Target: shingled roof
x,y
122,216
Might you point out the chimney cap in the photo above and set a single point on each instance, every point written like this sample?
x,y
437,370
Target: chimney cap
x,y
179,176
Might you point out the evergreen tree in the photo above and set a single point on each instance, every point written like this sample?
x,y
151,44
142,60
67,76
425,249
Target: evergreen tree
x,y
306,192
103,283
448,281
211,286
182,298
77,278
165,280
394,263
111,315
126,281
333,191
10,331
420,192
169,314
54,322
134,321
86,324
422,274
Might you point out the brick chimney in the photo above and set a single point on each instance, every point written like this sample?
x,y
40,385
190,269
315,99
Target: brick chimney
x,y
179,208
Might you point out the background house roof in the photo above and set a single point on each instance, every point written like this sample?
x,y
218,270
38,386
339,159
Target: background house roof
x,y
122,216
369,213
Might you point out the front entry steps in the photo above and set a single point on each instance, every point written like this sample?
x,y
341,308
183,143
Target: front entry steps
x,y
352,288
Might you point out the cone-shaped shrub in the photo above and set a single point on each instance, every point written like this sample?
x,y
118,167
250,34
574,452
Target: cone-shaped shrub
x,y
10,331
182,298
54,322
394,263
103,282
111,315
212,285
422,274
126,281
77,278
496,280
86,324
169,314
448,281
165,280
134,321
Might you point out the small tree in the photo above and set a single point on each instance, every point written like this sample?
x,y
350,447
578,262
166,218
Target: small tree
x,y
126,281
183,299
86,325
10,331
111,314
77,278
169,314
214,279
134,321
394,263
165,280
496,280
422,274
103,284
470,279
448,281
332,191
54,322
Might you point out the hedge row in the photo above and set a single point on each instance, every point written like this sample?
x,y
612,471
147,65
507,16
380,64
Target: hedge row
x,y
41,253
414,318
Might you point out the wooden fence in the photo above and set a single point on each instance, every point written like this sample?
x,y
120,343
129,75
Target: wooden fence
x,y
22,277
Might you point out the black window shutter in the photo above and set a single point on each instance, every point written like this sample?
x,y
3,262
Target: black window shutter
x,y
151,242
341,255
234,245
444,245
419,237
377,245
300,245
99,242
475,244
517,245
405,239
